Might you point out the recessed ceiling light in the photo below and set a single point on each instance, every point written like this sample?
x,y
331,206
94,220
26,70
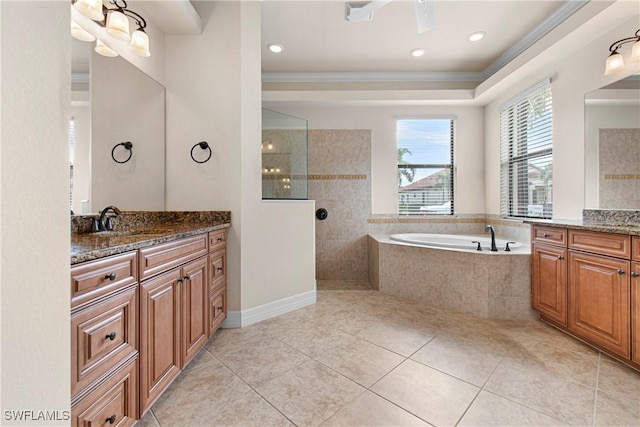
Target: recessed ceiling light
x,y
479,35
275,48
417,52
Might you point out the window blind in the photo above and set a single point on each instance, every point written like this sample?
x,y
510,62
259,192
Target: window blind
x,y
526,136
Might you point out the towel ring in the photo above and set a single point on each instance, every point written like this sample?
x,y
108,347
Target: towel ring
x,y
205,146
128,146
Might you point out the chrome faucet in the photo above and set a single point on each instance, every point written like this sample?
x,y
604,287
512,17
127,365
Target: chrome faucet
x,y
494,248
104,223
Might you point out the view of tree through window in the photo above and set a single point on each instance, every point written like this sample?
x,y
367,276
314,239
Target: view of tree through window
x,y
425,166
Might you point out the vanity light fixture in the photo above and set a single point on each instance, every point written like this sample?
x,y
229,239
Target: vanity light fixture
x,y
275,48
417,52
477,36
615,62
80,33
117,25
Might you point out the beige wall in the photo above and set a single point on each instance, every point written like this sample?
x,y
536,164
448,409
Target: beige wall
x,y
572,78
469,155
213,95
34,214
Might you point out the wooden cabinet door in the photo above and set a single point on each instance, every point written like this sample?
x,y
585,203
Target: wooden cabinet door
x,y
599,300
549,282
635,311
159,334
195,304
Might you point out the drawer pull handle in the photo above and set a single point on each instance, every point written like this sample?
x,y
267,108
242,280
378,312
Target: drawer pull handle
x,y
219,308
546,235
219,268
111,336
560,257
111,276
187,277
620,271
220,239
634,274
111,419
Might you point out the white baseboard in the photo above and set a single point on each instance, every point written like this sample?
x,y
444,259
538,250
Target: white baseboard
x,y
240,319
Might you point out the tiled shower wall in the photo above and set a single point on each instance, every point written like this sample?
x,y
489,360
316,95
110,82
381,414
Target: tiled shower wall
x,y
340,182
619,168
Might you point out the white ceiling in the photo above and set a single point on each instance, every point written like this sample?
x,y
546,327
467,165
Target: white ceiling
x,y
318,39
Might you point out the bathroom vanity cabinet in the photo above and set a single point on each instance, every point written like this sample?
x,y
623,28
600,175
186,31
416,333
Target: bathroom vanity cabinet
x,y
138,319
586,283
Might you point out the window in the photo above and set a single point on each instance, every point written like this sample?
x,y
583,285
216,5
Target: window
x,y
425,166
72,137
525,154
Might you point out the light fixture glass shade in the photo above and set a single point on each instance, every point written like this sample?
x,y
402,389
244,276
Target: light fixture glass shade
x,y
118,25
105,50
90,8
635,51
79,33
614,64
140,43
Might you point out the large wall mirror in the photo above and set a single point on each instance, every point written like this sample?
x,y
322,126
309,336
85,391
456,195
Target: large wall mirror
x,y
612,146
113,103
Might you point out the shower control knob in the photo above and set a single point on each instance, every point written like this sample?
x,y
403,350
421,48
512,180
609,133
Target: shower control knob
x,y
322,214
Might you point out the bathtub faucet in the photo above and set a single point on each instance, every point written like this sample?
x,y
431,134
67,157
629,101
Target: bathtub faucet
x,y
494,248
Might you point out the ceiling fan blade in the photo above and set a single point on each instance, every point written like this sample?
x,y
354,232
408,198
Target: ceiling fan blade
x,y
361,11
424,15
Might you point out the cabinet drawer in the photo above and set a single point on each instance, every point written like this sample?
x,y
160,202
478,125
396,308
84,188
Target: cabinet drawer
x,y
552,235
95,279
102,336
160,258
217,270
114,400
217,240
217,310
617,245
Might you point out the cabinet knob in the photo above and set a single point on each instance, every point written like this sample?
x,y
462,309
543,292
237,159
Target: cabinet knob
x,y
111,419
111,276
111,336
187,277
634,274
219,268
560,257
219,308
220,239
620,271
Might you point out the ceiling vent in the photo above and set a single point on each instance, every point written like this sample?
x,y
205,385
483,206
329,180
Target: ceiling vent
x,y
351,12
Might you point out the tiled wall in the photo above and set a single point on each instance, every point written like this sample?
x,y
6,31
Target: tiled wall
x,y
619,169
340,182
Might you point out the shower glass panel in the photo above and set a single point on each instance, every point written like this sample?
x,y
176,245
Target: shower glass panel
x,y
284,156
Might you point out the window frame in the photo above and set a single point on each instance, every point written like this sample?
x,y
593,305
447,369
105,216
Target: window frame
x,y
446,166
510,162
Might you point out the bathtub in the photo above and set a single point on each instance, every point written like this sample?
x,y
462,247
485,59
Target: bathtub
x,y
447,272
455,241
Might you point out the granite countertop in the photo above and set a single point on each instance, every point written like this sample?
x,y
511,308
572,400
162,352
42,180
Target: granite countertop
x,y
588,225
90,246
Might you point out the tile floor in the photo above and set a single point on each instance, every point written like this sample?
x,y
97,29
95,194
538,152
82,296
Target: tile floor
x,y
362,358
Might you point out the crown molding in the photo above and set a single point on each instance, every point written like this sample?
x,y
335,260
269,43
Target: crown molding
x,y
568,8
350,77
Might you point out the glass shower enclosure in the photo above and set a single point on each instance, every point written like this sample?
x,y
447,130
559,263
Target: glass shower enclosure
x,y
284,156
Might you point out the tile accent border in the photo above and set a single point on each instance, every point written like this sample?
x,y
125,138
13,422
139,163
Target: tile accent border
x,y
424,220
622,176
240,319
341,176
